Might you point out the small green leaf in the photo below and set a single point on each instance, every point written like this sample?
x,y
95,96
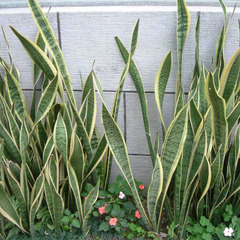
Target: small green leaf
x,y
128,206
65,219
104,226
76,223
116,210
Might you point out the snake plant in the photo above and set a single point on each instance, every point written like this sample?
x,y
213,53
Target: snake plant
x,y
49,153
196,168
43,157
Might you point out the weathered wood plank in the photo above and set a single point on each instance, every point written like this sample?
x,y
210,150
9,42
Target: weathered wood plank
x,y
88,36
47,3
141,166
136,138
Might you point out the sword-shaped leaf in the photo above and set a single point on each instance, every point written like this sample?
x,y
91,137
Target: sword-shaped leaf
x,y
77,157
196,71
7,209
229,77
37,55
58,206
172,150
60,137
161,84
47,99
53,46
205,181
91,199
88,90
183,27
116,103
10,144
36,199
137,80
73,181
17,191
154,190
118,148
219,121
16,94
195,163
233,117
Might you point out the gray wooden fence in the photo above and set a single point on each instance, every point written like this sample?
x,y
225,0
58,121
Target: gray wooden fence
x,y
87,34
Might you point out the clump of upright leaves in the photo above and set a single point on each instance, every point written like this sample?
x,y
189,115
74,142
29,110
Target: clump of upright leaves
x,y
197,171
50,154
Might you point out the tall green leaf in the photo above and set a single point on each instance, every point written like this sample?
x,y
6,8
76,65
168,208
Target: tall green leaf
x,y
47,99
183,27
161,84
88,90
219,121
73,181
7,209
77,157
36,198
52,43
137,80
37,55
60,137
10,144
229,77
17,191
172,150
154,190
91,199
16,94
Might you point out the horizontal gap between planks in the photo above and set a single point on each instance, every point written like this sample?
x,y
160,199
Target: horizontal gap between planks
x,y
124,9
107,91
139,154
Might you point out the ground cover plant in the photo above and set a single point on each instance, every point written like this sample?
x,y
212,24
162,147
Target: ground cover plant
x,y
55,167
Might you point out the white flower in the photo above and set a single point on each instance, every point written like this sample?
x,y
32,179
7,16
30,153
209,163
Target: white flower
x,y
121,195
228,232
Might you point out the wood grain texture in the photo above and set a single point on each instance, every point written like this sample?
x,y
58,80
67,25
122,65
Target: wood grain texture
x,y
136,138
47,3
89,36
141,167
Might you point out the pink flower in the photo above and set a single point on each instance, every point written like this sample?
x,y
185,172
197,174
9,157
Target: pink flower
x,y
85,198
137,214
141,187
102,209
113,221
